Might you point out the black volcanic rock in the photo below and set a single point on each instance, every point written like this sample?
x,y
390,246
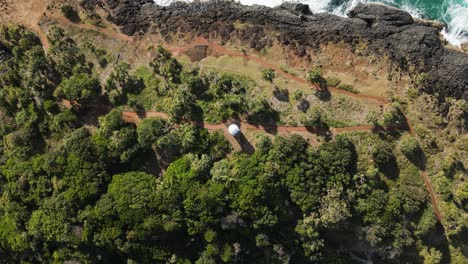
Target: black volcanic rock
x,y
297,8
412,46
375,13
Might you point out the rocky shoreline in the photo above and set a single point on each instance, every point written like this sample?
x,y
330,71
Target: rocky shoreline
x,y
412,46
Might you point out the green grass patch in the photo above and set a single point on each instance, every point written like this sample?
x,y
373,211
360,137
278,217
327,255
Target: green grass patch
x,y
347,87
240,25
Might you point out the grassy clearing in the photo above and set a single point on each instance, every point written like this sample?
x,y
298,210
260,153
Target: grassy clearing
x,y
338,111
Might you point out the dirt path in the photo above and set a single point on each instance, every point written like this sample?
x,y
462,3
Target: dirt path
x,y
29,13
203,42
136,117
60,19
426,179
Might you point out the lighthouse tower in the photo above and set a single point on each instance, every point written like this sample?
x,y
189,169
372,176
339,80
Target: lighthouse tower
x,y
233,129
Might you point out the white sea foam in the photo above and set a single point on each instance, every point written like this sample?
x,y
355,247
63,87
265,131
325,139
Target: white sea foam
x,y
456,16
456,31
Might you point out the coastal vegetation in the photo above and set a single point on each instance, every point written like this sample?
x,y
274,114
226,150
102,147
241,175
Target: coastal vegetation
x,y
79,182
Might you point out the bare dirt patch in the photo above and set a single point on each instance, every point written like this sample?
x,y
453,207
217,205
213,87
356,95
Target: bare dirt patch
x,y
197,53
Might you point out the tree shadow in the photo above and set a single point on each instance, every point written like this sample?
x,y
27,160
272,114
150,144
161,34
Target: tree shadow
x,y
303,105
437,239
146,161
268,128
244,143
390,169
281,94
323,130
90,113
198,114
323,94
266,115
70,13
418,158
461,241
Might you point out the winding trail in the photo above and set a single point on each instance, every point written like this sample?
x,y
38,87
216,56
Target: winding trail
x,y
204,42
32,22
59,18
426,179
136,117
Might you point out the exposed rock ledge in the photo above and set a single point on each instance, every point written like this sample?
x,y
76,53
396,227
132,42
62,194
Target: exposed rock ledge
x,y
413,46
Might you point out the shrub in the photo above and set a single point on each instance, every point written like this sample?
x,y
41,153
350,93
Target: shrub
x,y
268,74
298,95
69,12
422,80
347,87
409,146
382,155
373,118
80,87
288,71
413,93
314,119
332,81
394,117
315,76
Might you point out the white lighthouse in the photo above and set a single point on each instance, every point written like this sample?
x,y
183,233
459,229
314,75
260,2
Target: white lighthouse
x,y
233,129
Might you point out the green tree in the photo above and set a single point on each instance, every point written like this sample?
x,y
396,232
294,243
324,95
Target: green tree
x,y
76,165
298,95
335,208
373,118
315,76
51,221
314,118
165,65
133,194
69,12
13,99
393,116
268,74
64,121
110,122
120,83
409,146
179,104
65,53
12,233
431,256
79,87
308,232
116,140
150,129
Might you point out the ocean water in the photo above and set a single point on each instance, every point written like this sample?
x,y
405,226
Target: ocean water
x,y
453,13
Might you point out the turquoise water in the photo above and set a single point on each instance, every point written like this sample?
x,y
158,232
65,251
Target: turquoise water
x,y
453,13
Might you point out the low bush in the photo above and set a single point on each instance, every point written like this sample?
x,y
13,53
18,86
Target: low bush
x,y
347,87
69,12
333,81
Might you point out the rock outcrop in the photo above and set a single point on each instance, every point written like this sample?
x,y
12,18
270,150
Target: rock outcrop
x,y
414,47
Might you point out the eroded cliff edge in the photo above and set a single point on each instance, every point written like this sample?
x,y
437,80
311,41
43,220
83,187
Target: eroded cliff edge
x,y
412,46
